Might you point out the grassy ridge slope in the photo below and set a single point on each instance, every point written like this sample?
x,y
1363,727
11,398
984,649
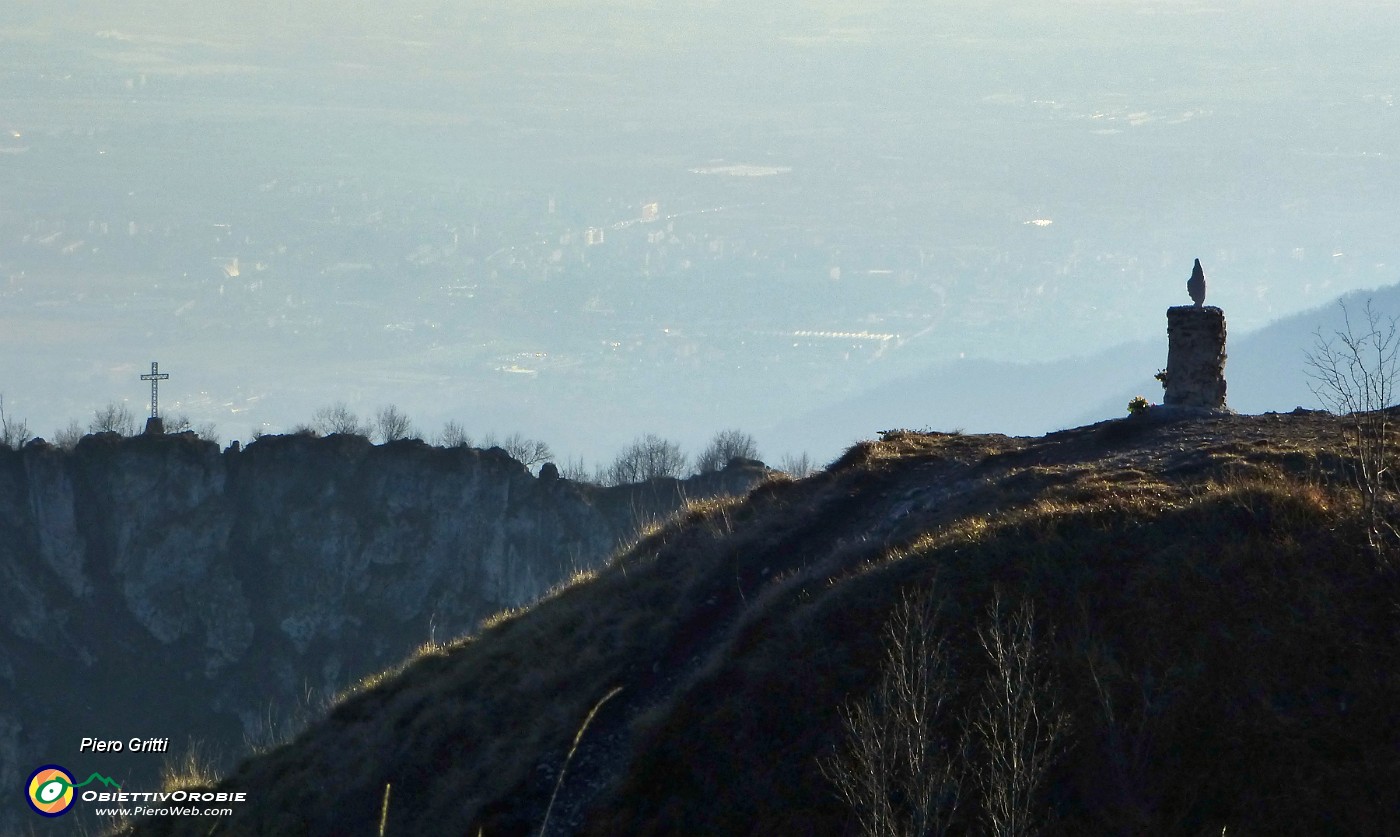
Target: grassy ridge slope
x,y
1221,639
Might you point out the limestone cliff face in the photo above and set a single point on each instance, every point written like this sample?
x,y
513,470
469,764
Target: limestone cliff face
x,y
158,587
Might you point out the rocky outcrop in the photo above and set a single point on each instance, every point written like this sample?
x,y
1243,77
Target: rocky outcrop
x,y
157,587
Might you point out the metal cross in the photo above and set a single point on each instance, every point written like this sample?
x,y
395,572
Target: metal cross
x,y
155,378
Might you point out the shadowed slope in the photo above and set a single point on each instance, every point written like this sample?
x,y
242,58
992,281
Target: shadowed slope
x,y
1223,643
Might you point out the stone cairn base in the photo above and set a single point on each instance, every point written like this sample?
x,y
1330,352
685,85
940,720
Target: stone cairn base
x,y
1195,375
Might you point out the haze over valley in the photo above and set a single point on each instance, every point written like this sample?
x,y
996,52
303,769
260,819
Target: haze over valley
x,y
591,221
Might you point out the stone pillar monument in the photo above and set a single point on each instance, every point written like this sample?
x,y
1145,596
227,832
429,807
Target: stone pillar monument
x,y
1195,375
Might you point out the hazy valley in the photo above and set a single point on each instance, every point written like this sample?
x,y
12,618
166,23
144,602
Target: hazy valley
x,y
707,231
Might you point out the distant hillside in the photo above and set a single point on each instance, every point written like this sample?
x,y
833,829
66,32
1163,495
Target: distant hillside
x,y
1265,371
1206,624
156,587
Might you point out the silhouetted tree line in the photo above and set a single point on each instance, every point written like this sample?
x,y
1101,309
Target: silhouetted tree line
x,y
648,457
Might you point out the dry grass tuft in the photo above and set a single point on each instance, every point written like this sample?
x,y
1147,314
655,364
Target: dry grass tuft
x,y
195,767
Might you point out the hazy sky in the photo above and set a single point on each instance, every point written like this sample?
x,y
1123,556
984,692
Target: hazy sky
x,y
406,189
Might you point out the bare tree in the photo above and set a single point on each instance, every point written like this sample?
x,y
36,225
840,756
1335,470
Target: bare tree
x,y
897,770
1017,722
338,418
529,452
13,432
1129,723
798,466
392,425
453,435
576,470
68,437
177,424
647,458
114,418
726,446
208,431
1354,374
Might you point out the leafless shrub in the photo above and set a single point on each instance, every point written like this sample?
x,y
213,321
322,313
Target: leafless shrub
x,y
391,425
1016,724
576,470
182,423
1128,727
726,446
529,452
454,435
113,418
208,431
338,418
13,432
647,458
897,771
798,466
1354,373
68,437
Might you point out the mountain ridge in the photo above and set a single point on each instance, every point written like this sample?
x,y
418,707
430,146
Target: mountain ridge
x,y
156,587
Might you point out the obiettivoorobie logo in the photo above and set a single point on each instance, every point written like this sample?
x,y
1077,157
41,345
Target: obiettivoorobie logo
x,y
51,789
